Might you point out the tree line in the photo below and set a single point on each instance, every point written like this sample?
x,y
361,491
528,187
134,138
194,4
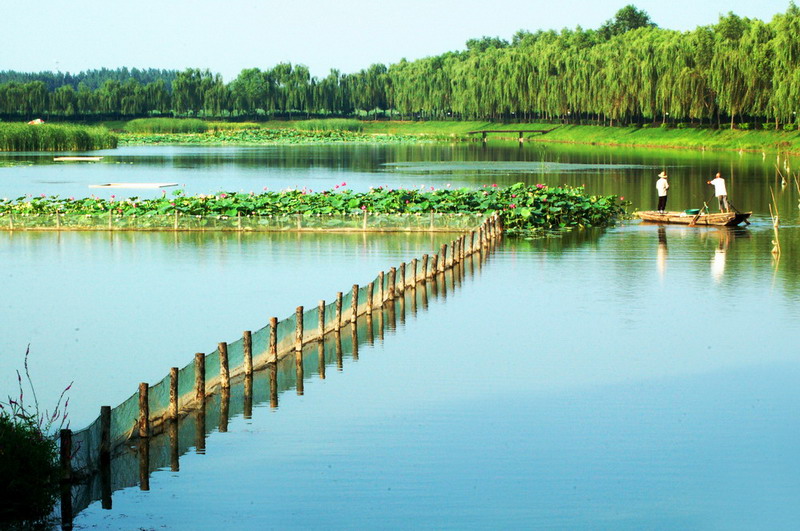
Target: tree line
x,y
628,71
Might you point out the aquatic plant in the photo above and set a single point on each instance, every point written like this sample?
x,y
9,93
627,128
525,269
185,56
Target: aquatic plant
x,y
54,137
166,125
521,207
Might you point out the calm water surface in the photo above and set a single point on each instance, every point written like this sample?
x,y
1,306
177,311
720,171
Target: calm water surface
x,y
640,377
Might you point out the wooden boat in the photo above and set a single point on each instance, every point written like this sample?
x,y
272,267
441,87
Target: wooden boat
x,y
721,219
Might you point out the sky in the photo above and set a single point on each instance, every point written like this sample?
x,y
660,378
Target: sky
x,y
228,36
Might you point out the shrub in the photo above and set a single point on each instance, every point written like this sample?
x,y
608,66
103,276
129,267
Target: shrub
x,y
666,125
745,126
682,125
29,459
29,468
789,127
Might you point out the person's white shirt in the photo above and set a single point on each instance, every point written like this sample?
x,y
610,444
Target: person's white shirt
x,y
719,186
661,186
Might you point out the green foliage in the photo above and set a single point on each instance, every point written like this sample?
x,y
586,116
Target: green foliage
x,y
54,137
29,458
521,207
263,136
332,124
166,125
745,126
789,127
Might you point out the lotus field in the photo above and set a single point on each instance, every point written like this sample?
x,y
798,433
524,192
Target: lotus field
x,y
521,207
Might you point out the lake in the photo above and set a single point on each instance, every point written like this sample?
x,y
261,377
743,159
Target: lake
x,y
628,378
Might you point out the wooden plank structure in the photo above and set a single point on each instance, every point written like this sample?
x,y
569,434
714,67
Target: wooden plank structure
x,y
484,132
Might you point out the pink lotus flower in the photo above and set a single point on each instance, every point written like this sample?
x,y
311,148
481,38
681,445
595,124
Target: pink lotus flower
x,y
539,186
494,185
223,196
364,207
344,184
513,196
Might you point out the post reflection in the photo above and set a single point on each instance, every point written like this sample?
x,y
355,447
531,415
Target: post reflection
x,y
192,428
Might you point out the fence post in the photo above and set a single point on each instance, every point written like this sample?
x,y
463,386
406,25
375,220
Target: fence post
x,y
173,393
354,305
298,331
200,377
65,455
424,267
321,315
434,265
338,310
414,272
273,340
392,282
144,410
247,348
381,292
402,278
370,297
224,370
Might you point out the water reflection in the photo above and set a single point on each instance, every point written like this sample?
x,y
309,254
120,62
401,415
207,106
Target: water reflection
x,y
133,464
661,253
718,262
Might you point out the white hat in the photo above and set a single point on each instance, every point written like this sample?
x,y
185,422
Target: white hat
x,y
662,174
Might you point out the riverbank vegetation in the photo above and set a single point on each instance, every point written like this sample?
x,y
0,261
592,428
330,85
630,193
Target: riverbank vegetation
x,y
29,457
54,137
738,73
521,207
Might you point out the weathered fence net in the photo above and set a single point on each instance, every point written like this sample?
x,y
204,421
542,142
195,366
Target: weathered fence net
x,y
268,347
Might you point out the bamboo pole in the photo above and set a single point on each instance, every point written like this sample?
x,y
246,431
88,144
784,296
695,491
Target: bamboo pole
x,y
173,393
224,369
144,410
247,347
273,340
298,331
382,292
321,319
200,377
370,297
402,278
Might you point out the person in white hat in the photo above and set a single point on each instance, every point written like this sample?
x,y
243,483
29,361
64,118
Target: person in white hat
x,y
662,186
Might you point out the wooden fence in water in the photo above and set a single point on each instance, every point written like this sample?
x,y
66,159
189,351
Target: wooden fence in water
x,y
86,455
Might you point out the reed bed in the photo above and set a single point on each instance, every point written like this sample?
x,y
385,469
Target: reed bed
x,y
330,124
166,125
54,137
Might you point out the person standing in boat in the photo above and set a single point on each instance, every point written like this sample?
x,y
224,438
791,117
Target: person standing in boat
x,y
720,191
662,186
